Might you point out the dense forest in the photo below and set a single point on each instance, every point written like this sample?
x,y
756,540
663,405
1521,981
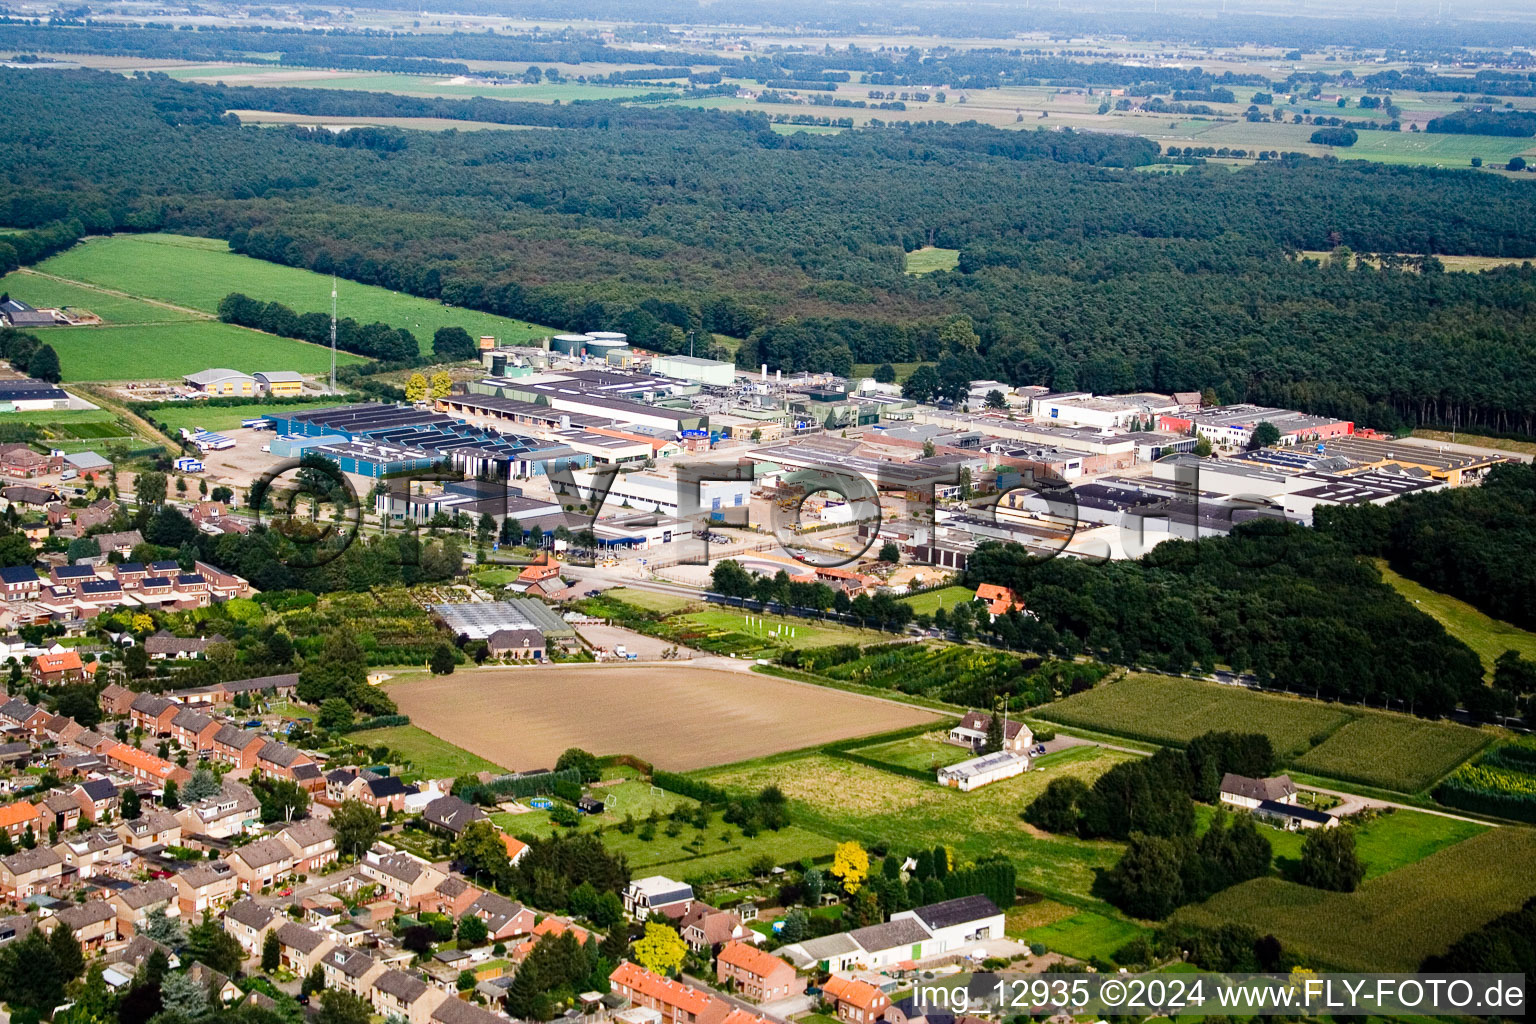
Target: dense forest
x,y
1293,606
1074,271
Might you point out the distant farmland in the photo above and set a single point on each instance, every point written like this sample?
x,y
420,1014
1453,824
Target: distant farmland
x,y
198,272
676,717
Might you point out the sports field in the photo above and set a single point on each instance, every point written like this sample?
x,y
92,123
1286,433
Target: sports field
x,y
198,272
1394,921
676,717
931,601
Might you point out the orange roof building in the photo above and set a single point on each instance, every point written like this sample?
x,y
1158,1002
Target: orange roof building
x,y
550,926
65,665
515,847
758,975
999,600
677,1003
14,818
144,765
858,1002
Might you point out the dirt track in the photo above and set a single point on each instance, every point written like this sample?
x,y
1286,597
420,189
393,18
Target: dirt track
x,y
674,716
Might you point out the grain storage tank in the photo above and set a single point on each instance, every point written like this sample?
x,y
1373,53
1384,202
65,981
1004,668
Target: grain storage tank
x,y
568,344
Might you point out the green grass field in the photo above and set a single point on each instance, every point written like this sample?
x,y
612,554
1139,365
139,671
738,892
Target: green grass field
x,y
224,417
1489,637
1391,840
1086,935
844,800
903,370
1374,748
924,753
1435,150
650,600
1161,709
46,293
429,756
198,272
172,350
931,601
728,631
931,258
1393,751
1391,922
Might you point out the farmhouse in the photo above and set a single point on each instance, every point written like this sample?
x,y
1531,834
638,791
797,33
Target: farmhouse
x,y
982,771
971,731
1293,816
1241,791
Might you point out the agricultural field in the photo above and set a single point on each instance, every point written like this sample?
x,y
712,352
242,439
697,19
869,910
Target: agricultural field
x,y
931,601
676,717
1393,751
1391,922
931,258
165,351
50,293
843,799
199,272
1488,636
428,756
1160,709
1502,781
430,124
963,676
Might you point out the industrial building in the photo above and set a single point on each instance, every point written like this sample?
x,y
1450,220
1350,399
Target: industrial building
x,y
1233,425
279,383
220,382
27,394
713,372
478,620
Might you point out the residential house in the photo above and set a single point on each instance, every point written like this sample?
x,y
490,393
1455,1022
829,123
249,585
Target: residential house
x,y
64,667
194,730
121,543
166,645
300,948
758,976
17,818
550,926
155,827
654,892
971,731
205,886
1241,791
29,872
229,812
381,792
677,1003
403,877
220,990
312,845
504,918
134,905
451,815
396,993
236,746
452,897
23,715
116,700
145,766
857,1002
61,810
152,713
458,1011
96,798
279,759
85,852
350,970
62,729
261,863
517,644
20,583
998,600
249,922
705,927
516,848
94,923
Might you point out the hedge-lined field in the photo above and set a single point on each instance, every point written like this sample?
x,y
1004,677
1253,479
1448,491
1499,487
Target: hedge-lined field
x,y
1502,782
1373,748
1161,709
1392,922
1393,751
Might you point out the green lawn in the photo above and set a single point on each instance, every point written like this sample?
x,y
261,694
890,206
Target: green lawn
x,y
199,272
903,370
429,756
496,577
1385,843
1394,920
728,631
809,129
924,753
46,293
171,350
1086,935
842,800
931,601
930,258
1489,637
223,417
650,600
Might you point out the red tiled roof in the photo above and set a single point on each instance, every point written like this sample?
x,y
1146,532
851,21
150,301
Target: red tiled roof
x,y
750,958
663,990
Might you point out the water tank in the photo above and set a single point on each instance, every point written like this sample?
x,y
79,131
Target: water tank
x,y
609,337
568,344
498,365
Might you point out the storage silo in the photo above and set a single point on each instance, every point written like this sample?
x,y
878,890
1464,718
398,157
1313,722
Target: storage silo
x,y
606,346
568,344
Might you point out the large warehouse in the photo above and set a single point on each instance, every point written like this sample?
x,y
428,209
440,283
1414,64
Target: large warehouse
x,y
27,394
